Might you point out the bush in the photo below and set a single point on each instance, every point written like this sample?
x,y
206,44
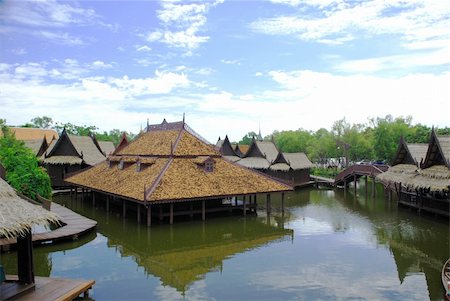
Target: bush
x,y
325,172
22,169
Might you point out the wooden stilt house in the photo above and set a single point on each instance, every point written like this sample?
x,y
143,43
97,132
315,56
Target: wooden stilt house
x,y
173,168
71,153
423,185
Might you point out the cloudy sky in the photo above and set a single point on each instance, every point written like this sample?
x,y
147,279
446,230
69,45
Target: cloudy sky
x,y
229,65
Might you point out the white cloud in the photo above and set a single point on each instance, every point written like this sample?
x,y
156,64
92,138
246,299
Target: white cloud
x,y
144,48
338,22
58,37
181,24
230,62
100,65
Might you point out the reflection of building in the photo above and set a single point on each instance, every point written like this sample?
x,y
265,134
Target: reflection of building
x,y
422,179
71,153
191,251
264,156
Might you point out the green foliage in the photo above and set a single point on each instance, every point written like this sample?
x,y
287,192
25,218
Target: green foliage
x,y
247,139
22,170
43,122
114,136
325,172
73,129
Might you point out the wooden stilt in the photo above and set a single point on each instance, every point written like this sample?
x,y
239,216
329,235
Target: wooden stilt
x,y
365,183
160,212
82,194
282,203
138,213
256,204
70,192
93,199
107,203
149,215
124,208
171,213
373,187
76,193
356,183
25,258
268,204
245,205
191,210
203,210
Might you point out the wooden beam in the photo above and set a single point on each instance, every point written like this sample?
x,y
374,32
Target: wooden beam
x,y
373,187
149,215
203,210
107,203
138,213
356,183
171,213
93,199
25,258
160,212
268,204
124,209
245,205
282,203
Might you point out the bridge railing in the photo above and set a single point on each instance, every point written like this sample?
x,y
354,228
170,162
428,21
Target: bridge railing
x,y
361,170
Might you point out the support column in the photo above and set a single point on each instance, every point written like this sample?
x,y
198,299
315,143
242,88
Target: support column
x,y
124,208
356,183
25,258
256,203
107,203
70,192
268,209
138,213
191,210
160,212
149,215
365,184
245,205
82,194
93,199
203,210
373,187
171,213
282,203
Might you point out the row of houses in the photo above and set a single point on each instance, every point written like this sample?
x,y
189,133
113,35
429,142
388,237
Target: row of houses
x,y
420,174
264,156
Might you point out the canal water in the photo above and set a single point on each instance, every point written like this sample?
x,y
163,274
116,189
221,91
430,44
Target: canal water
x,y
327,246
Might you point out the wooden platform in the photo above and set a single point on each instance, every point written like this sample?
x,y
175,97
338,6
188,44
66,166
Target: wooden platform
x,y
74,225
48,289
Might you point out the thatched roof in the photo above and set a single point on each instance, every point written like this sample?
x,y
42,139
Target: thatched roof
x,y
241,149
298,161
410,153
107,147
37,146
232,158
225,147
175,173
122,143
18,215
280,167
435,178
268,149
33,134
254,162
70,149
438,151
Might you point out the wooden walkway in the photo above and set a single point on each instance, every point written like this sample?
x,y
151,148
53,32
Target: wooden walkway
x,y
353,173
74,225
47,289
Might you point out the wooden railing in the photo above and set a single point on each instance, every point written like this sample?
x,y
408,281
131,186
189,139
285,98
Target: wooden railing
x,y
359,170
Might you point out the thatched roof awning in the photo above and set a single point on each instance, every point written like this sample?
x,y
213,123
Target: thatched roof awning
x,y
86,147
232,158
254,162
33,134
298,161
107,147
70,160
280,167
18,215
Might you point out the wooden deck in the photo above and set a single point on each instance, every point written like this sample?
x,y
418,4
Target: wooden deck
x,y
47,289
73,226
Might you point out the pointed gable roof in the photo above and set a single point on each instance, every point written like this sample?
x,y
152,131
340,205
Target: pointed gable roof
x,y
34,133
175,173
38,146
122,143
410,153
107,147
226,148
438,151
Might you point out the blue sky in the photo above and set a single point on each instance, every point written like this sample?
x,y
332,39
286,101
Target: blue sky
x,y
229,65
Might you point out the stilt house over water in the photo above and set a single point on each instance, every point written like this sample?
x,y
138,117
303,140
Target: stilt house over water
x,y
264,156
422,179
71,153
171,168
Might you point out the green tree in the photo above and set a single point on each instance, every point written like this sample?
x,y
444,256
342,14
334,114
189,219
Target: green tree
x,y
43,122
248,138
22,169
76,129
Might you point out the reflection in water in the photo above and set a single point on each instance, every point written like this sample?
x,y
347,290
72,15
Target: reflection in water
x,y
326,246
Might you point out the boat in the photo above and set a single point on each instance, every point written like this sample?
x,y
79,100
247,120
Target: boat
x,y
446,278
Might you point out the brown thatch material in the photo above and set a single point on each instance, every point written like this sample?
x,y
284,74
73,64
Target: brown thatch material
x,y
232,158
18,215
70,160
280,167
175,175
33,134
398,173
268,149
37,146
418,151
86,147
254,162
298,161
107,147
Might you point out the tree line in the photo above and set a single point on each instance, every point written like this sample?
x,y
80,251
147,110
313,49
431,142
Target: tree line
x,y
376,140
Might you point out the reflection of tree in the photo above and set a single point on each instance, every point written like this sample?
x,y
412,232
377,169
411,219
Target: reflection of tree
x,y
183,253
417,244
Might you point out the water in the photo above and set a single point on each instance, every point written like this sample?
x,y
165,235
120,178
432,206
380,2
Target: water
x,y
328,246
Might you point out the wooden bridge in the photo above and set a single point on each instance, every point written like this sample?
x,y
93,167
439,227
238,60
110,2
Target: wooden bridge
x,y
353,173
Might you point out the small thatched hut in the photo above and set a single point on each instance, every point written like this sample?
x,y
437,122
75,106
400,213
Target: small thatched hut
x,y
17,216
71,153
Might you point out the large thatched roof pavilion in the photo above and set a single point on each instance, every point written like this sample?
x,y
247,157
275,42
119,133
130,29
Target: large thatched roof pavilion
x,y
169,163
17,216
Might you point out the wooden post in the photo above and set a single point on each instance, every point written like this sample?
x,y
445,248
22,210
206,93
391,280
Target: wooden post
x,y
160,212
70,192
93,199
365,183
76,193
345,186
282,203
373,187
138,213
268,204
191,210
203,210
256,204
124,208
82,194
149,215
356,183
107,203
245,205
25,258
171,213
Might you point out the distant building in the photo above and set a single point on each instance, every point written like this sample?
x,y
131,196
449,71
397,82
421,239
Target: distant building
x,y
71,153
35,139
264,156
